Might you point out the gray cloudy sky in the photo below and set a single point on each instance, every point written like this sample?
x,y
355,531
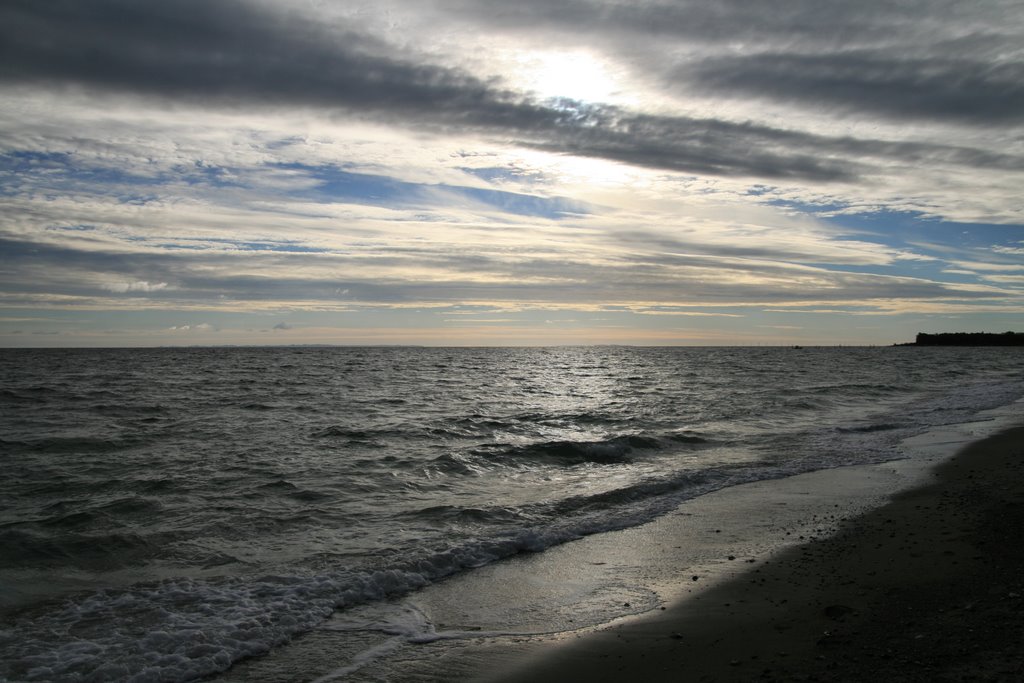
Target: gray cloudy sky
x,y
468,171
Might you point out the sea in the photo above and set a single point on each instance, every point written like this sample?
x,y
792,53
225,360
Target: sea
x,y
168,512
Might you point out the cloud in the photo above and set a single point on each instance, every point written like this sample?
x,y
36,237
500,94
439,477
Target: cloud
x,y
231,53
139,286
916,59
439,252
198,327
282,326
530,271
1006,279
389,160
966,90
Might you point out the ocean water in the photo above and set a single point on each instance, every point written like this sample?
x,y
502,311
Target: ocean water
x,y
165,513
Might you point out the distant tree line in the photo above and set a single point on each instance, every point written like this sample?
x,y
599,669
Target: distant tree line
x,y
969,339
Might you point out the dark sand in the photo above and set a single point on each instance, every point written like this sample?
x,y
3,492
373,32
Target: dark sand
x,y
929,587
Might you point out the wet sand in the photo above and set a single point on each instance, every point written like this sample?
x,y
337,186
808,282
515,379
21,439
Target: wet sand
x,y
928,587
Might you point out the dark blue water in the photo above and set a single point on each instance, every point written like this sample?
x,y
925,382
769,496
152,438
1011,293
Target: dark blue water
x,y
165,512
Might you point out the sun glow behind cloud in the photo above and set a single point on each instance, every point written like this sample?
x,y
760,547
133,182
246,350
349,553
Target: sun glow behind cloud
x,y
569,74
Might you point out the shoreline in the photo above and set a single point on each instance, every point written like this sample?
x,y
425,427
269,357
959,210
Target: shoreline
x,y
624,604
929,586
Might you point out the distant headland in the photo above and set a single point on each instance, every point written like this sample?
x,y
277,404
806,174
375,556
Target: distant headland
x,y
968,339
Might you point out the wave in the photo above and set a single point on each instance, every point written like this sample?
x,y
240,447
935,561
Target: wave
x,y
278,485
27,395
590,417
127,409
643,491
25,548
867,429
71,444
255,405
611,451
183,629
461,515
309,495
358,434
133,506
158,485
79,513
854,389
567,453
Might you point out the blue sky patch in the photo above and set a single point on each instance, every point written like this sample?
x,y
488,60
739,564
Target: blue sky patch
x,y
336,184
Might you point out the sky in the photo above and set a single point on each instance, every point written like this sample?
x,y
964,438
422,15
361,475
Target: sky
x,y
481,172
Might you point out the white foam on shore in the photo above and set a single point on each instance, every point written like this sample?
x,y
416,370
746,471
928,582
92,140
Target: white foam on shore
x,y
402,623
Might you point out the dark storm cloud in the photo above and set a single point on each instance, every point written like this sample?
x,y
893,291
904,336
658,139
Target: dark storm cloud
x,y
226,51
690,145
235,54
724,148
925,59
935,88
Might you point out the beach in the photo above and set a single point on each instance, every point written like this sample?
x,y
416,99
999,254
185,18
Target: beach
x,y
927,587
906,570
